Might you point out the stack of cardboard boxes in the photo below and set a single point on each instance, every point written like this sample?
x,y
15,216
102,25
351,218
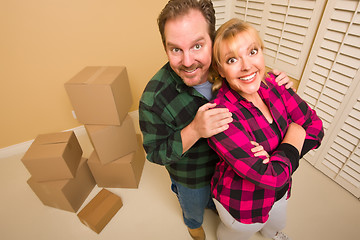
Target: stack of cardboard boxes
x,y
101,99
60,176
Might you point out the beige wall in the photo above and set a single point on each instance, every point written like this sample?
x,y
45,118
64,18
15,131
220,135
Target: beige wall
x,y
44,43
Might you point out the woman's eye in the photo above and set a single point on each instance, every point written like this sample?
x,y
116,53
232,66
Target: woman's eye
x,y
231,60
253,51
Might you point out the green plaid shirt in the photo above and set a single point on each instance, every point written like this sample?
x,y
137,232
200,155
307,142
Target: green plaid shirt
x,y
167,105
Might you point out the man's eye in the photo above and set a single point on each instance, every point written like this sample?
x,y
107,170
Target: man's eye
x,y
197,46
176,50
231,60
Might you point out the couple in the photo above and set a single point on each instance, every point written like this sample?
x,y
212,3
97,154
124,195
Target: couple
x,y
238,151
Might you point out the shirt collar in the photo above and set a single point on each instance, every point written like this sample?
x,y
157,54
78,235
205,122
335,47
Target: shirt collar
x,y
180,85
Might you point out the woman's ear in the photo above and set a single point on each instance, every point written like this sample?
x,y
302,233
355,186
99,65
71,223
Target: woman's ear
x,y
220,71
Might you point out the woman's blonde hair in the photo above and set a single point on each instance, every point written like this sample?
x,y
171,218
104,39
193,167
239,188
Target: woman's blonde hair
x,y
227,32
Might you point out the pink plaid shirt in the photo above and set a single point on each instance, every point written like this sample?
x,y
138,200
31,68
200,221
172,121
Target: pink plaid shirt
x,y
242,183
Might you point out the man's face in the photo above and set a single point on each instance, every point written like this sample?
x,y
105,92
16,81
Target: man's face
x,y
189,47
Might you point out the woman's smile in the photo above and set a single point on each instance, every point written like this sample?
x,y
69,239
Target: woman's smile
x,y
248,77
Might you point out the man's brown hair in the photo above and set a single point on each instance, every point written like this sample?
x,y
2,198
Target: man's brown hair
x,y
175,8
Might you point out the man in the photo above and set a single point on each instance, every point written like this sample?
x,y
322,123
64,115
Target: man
x,y
174,114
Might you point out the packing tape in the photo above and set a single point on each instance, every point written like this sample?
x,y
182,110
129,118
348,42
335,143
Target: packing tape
x,y
96,74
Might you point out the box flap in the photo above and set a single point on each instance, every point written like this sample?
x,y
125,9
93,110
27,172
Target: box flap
x,y
96,75
53,138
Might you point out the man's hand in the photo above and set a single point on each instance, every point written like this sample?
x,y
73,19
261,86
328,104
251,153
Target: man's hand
x,y
283,79
208,121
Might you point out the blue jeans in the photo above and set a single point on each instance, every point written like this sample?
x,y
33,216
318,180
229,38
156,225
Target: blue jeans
x,y
193,203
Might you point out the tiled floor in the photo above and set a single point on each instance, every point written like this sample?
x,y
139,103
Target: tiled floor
x,y
319,209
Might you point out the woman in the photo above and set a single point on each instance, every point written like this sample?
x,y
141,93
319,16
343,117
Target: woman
x,y
251,191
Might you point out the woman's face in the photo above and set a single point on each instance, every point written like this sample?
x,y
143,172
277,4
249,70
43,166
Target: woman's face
x,y
242,64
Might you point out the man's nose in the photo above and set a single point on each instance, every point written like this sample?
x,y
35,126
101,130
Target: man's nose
x,y
188,59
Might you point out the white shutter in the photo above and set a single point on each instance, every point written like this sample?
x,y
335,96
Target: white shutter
x,y
223,11
250,11
331,85
340,158
289,31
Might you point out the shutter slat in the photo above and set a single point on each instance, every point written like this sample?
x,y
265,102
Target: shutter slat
x,y
343,77
348,61
309,99
327,54
353,51
333,94
334,36
350,178
317,78
346,5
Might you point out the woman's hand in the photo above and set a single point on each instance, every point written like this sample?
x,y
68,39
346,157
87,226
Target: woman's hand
x,y
258,151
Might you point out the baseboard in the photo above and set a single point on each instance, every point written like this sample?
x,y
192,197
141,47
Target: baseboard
x,y
135,117
79,131
15,149
21,148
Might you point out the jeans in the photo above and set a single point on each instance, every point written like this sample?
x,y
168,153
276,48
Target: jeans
x,y
193,203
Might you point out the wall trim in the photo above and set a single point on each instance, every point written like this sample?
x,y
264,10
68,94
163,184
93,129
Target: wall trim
x,y
21,148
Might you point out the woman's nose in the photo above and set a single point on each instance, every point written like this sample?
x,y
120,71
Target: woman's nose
x,y
245,64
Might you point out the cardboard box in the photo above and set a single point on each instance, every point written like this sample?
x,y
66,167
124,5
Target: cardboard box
x,y
124,172
53,156
100,95
100,210
112,142
68,194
